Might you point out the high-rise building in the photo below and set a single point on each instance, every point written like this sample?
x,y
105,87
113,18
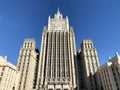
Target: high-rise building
x,y
109,74
8,75
27,65
56,70
87,66
58,66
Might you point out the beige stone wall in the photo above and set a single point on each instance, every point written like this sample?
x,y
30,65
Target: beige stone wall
x,y
89,64
8,75
109,74
26,65
57,56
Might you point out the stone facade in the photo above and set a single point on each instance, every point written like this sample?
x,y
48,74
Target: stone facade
x,y
8,75
109,74
57,57
87,65
27,64
58,66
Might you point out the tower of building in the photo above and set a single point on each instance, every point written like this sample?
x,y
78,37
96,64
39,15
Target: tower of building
x,y
27,65
88,65
56,70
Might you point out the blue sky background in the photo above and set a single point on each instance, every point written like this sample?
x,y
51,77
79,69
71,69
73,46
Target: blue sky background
x,y
98,20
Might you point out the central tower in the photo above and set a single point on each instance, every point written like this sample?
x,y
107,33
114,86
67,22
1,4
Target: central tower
x,y
57,56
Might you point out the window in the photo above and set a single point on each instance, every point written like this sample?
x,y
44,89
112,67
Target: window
x,y
13,88
65,89
3,68
2,74
0,79
31,45
50,89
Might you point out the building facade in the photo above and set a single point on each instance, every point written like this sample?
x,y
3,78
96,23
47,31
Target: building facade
x,y
87,66
109,74
8,75
27,65
56,70
58,66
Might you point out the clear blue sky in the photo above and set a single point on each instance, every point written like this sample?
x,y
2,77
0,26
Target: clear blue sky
x,y
98,20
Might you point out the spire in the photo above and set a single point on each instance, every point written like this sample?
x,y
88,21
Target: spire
x,y
58,11
58,15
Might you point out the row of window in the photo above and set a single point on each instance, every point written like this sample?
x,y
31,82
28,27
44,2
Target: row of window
x,y
58,89
9,79
28,45
115,73
106,79
87,45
